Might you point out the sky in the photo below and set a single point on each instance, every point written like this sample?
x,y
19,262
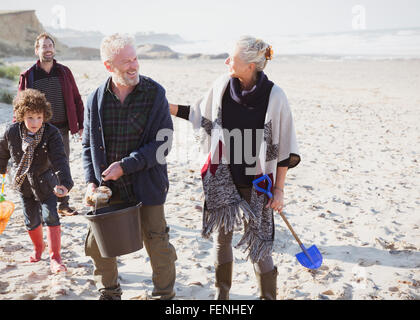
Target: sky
x,y
212,19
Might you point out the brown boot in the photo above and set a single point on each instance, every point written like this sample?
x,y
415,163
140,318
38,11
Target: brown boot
x,y
223,280
267,282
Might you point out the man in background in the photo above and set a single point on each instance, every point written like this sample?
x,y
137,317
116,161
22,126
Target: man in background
x,y
57,83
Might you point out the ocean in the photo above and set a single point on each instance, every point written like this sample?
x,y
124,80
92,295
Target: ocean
x,y
375,44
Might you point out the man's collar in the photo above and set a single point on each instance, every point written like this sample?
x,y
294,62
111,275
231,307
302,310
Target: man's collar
x,y
38,64
108,86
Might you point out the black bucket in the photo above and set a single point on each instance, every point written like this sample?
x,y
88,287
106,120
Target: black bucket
x,y
117,229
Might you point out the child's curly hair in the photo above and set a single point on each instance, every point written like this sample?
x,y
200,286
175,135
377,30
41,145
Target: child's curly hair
x,y
33,101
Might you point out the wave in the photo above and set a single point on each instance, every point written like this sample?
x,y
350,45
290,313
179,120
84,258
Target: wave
x,y
394,43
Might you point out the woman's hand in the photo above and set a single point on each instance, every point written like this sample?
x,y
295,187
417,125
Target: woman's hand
x,y
173,109
277,201
61,191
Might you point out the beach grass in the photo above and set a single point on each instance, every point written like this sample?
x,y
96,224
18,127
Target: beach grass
x,y
9,72
6,97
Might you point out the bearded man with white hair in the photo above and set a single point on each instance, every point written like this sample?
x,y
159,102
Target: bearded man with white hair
x,y
122,144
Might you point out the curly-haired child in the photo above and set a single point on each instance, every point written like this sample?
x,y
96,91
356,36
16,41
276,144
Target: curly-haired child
x,y
42,171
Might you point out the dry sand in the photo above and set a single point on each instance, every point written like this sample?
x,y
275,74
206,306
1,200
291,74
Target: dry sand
x,y
355,194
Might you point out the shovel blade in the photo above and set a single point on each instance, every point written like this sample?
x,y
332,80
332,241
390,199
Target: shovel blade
x,y
311,260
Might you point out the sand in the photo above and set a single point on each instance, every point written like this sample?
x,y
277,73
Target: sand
x,y
355,194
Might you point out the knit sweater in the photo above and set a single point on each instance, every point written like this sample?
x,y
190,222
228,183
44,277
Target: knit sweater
x,y
72,99
49,84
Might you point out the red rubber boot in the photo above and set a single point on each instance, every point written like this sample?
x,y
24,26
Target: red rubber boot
x,y
54,247
39,244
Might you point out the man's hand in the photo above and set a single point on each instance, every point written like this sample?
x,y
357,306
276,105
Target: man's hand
x,y
113,172
61,191
277,201
90,189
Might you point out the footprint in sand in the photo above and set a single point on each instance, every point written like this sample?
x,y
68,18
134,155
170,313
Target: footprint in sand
x,y
347,293
3,287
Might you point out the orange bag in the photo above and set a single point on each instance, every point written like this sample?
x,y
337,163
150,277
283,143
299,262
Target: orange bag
x,y
6,208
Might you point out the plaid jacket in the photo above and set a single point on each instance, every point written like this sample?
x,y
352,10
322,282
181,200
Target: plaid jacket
x,y
149,176
123,125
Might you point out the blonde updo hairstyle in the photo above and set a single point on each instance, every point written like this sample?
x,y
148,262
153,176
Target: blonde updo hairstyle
x,y
253,50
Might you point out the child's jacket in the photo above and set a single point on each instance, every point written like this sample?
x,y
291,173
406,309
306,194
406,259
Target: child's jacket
x,y
49,158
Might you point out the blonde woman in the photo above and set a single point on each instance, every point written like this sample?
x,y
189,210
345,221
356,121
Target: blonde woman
x,y
247,104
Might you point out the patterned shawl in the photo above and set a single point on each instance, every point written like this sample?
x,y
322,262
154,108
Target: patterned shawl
x,y
224,206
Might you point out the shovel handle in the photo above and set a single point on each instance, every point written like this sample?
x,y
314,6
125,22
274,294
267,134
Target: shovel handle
x,y
291,230
270,195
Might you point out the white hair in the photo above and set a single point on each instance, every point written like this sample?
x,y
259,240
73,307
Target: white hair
x,y
253,50
112,45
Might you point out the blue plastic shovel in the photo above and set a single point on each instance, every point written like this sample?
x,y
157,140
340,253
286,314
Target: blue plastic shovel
x,y
309,258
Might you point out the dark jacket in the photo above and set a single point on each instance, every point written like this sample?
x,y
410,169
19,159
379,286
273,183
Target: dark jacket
x,y
71,95
49,157
150,178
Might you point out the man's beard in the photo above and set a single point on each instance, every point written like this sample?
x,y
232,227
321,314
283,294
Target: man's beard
x,y
47,59
122,79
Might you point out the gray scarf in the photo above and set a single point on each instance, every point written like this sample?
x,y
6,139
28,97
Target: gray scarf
x,y
29,143
225,209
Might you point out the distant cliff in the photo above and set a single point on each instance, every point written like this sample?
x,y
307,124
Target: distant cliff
x,y
93,39
18,31
158,51
76,38
158,38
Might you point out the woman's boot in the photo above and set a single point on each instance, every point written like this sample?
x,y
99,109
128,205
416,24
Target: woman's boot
x,y
223,280
267,282
39,244
54,247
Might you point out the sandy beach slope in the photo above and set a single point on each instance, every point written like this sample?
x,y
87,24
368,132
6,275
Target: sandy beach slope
x,y
355,194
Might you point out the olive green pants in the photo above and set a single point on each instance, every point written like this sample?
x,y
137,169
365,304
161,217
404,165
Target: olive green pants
x,y
156,241
222,242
